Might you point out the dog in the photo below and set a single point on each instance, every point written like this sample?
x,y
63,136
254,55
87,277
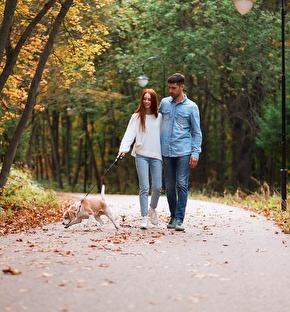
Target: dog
x,y
88,208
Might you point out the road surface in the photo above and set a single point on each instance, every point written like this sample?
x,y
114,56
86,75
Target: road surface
x,y
227,260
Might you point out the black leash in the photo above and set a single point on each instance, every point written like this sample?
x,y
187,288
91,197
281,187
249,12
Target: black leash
x,y
118,158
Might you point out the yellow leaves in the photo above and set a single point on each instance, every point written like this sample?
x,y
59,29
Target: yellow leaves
x,y
39,108
80,39
13,99
9,116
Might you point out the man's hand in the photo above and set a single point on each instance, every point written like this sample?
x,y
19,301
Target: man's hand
x,y
193,162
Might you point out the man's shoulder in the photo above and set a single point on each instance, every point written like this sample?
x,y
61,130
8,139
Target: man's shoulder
x,y
166,100
189,101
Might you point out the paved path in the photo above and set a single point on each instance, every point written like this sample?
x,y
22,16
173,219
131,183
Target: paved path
x,y
228,260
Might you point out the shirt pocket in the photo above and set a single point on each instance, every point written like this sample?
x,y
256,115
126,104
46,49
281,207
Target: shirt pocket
x,y
182,118
166,115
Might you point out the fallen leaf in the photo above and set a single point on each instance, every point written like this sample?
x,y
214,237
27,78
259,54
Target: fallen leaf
x,y
107,282
196,298
11,271
198,276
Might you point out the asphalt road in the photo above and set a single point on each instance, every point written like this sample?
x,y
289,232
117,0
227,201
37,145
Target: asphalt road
x,y
227,260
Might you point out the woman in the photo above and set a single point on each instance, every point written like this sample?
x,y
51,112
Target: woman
x,y
144,128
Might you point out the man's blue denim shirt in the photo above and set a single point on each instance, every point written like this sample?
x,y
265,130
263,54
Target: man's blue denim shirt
x,y
180,128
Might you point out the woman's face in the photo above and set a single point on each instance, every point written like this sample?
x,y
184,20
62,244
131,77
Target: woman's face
x,y
147,101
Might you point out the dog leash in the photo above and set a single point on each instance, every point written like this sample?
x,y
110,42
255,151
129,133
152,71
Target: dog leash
x,y
116,161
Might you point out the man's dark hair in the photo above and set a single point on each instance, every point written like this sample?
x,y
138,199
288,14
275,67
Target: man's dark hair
x,y
176,78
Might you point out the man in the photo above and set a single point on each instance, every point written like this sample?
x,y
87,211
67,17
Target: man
x,y
181,139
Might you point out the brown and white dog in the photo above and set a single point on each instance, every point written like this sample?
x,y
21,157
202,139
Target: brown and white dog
x,y
88,208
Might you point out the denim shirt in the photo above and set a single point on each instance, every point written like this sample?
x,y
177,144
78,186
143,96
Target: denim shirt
x,y
180,128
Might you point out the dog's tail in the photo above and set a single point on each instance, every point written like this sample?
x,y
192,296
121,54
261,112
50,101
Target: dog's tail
x,y
103,192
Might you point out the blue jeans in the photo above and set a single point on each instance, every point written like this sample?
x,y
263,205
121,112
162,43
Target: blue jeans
x,y
176,171
143,166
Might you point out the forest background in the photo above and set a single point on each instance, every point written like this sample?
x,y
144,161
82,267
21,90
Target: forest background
x,y
69,85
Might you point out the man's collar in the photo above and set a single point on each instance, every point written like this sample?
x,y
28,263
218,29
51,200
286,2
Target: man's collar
x,y
184,98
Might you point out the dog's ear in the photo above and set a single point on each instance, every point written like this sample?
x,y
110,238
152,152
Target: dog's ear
x,y
75,206
79,207
72,214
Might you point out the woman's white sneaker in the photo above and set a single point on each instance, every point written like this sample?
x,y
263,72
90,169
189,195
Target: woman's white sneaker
x,y
144,223
153,216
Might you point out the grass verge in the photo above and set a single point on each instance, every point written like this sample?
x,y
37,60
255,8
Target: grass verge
x,y
261,203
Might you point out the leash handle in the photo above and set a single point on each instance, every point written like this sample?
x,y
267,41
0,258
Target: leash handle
x,y
118,158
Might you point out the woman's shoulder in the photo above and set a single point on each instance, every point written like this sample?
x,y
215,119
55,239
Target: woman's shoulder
x,y
135,116
133,120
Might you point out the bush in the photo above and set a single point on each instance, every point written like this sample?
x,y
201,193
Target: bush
x,y
25,205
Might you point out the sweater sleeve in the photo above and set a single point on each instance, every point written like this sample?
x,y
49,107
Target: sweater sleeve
x,y
129,135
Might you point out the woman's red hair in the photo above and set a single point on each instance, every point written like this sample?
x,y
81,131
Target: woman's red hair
x,y
141,109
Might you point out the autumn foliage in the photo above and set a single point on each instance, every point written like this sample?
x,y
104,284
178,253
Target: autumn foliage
x,y
24,205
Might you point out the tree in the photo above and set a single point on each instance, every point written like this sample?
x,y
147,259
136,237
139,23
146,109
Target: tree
x,y
232,65
46,24
8,160
232,68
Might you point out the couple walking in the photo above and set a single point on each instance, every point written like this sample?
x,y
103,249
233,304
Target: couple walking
x,y
170,134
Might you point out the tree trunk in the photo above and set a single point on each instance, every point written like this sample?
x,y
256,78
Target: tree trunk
x,y
93,161
55,156
66,147
9,10
242,154
78,164
54,135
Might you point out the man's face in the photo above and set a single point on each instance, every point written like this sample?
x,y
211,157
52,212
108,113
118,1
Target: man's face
x,y
175,90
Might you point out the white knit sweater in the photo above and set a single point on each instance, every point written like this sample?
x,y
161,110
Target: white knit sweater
x,y
146,143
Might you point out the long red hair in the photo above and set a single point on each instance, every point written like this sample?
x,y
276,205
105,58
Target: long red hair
x,y
141,109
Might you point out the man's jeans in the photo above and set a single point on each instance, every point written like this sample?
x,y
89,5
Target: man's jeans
x,y
143,165
176,170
